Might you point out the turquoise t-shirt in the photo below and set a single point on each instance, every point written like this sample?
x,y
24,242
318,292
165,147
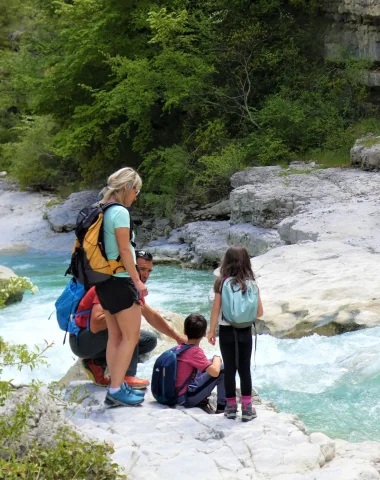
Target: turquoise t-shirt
x,y
116,217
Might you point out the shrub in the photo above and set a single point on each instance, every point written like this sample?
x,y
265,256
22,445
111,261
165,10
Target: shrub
x,y
30,157
12,286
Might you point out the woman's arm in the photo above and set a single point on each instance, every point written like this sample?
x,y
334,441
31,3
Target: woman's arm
x,y
123,242
215,311
260,310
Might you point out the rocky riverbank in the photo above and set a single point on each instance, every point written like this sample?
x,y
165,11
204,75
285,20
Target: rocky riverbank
x,y
314,235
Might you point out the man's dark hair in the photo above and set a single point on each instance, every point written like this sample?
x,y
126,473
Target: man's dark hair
x,y
195,326
145,255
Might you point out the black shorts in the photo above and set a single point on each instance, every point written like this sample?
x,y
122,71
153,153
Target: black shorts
x,y
116,294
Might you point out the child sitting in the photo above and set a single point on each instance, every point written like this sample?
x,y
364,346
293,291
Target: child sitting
x,y
197,376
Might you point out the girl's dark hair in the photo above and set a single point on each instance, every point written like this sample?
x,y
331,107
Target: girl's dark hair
x,y
236,264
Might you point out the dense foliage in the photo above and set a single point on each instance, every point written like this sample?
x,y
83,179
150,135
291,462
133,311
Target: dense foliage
x,y
187,91
70,457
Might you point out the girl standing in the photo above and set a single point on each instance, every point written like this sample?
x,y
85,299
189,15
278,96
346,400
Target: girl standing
x,y
235,343
120,296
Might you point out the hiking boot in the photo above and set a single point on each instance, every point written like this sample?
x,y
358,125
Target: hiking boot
x,y
95,373
230,411
123,397
248,413
136,383
205,406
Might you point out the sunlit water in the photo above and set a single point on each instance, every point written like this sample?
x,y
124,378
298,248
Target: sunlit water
x,y
332,384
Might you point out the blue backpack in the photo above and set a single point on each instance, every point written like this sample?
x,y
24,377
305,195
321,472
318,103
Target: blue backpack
x,y
164,376
239,308
66,307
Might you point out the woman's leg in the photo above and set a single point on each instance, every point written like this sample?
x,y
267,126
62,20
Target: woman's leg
x,y
245,353
227,348
114,339
128,323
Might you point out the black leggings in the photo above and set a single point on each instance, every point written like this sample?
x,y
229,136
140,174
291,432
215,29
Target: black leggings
x,y
227,343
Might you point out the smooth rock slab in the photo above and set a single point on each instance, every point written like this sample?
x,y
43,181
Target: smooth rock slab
x,y
189,444
323,287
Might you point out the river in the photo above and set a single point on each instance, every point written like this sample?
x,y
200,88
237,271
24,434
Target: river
x,y
331,383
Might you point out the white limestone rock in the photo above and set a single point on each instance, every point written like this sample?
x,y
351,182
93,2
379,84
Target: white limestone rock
x,y
325,443
257,240
153,441
365,154
322,287
22,223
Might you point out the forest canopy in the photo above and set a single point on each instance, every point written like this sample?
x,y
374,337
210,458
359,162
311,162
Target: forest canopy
x,y
186,91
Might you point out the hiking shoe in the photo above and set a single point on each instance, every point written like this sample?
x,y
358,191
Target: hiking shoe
x,y
248,413
136,383
137,393
123,397
95,373
205,406
230,411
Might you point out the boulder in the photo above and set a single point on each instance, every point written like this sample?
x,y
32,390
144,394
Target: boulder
x,y
257,240
62,218
215,211
365,154
3,174
323,287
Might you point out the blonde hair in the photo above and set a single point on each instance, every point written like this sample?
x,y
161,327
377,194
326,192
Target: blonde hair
x,y
117,181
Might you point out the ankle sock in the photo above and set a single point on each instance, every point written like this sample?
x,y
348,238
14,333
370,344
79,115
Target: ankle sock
x,y
113,390
246,400
231,401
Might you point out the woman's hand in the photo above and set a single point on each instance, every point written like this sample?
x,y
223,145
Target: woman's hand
x,y
141,288
211,337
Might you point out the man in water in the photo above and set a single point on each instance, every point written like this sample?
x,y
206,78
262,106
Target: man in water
x,y
91,342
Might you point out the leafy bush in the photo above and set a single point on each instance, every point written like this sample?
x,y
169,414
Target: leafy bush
x,y
13,286
31,159
214,171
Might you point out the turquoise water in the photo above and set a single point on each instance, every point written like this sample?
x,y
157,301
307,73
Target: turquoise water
x,y
332,384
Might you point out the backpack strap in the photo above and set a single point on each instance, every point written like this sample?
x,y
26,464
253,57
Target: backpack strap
x,y
83,312
190,377
105,206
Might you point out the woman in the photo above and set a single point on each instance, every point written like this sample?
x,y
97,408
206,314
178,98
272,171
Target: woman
x,y
120,296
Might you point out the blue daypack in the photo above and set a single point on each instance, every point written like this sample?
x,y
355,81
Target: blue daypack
x,y
239,308
164,376
66,307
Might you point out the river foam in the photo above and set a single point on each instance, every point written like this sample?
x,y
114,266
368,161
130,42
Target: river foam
x,y
332,383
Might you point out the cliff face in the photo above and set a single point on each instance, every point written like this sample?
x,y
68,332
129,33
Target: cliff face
x,y
355,26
